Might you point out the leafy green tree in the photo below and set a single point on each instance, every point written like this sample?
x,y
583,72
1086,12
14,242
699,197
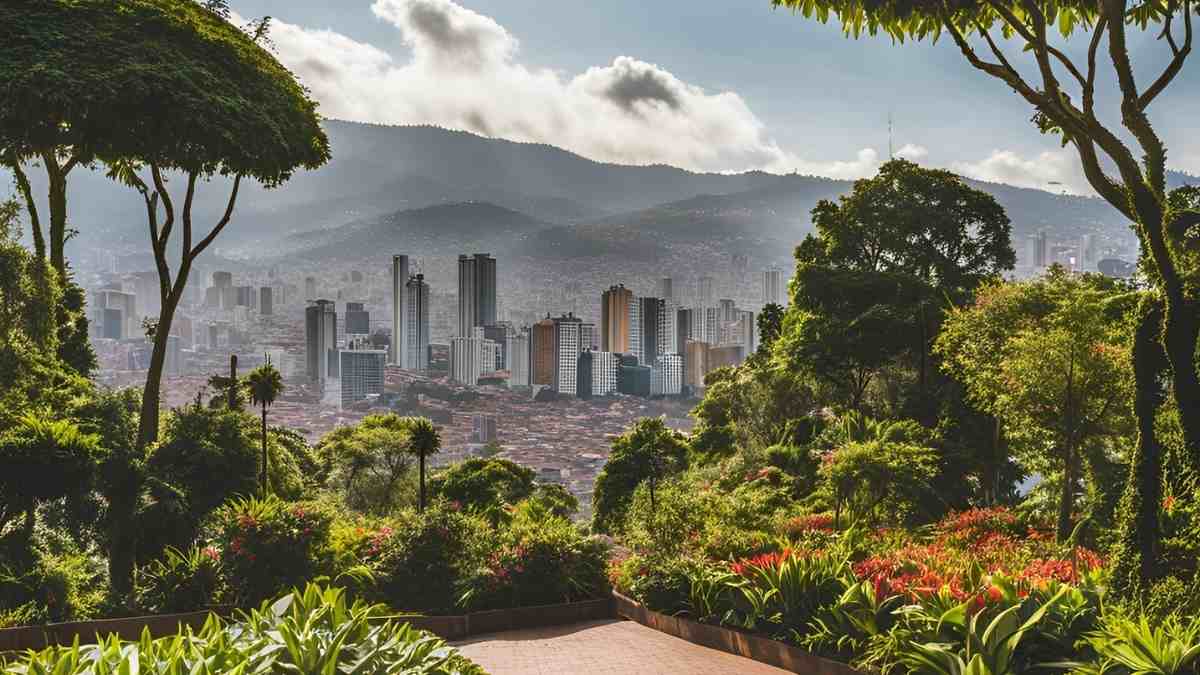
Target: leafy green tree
x,y
647,453
770,323
1125,165
264,383
484,485
755,405
42,460
873,479
370,461
554,499
151,87
424,440
1049,359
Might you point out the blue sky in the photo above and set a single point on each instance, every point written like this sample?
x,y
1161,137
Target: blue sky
x,y
754,86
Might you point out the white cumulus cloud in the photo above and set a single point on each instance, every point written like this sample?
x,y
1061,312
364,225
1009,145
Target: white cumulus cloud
x,y
1050,170
464,73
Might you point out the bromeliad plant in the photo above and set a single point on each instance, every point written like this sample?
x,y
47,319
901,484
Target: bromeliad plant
x,y
788,588
313,632
1127,646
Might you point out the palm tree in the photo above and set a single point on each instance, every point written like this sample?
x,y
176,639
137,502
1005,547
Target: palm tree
x,y
423,440
264,383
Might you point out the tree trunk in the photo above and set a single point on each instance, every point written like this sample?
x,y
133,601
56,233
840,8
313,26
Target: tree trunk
x,y
1066,504
148,422
422,500
266,483
1136,550
58,217
121,549
1181,329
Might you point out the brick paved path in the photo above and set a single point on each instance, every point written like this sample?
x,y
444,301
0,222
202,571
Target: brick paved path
x,y
602,648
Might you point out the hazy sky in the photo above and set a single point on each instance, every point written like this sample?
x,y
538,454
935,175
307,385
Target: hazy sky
x,y
704,84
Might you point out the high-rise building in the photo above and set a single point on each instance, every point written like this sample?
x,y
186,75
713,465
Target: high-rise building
x,y
465,360
244,296
747,332
320,343
266,301
543,352
635,330
705,292
476,292
614,319
116,312
772,287
669,334
583,379
516,357
173,361
1038,250
398,352
604,373
634,380
712,325
358,320
666,378
498,334
695,365
652,329
310,288
566,357
666,288
361,372
588,336
416,305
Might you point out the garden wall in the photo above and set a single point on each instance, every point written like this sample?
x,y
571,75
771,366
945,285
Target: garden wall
x,y
760,649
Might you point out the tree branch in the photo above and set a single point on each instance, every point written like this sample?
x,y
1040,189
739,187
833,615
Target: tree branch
x,y
237,181
1179,55
35,223
1089,88
160,186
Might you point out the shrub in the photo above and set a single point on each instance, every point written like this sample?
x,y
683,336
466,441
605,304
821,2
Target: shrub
x,y
54,580
314,631
269,545
661,583
483,485
542,559
418,559
180,581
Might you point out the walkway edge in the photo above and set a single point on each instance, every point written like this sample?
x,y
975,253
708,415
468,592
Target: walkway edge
x,y
753,647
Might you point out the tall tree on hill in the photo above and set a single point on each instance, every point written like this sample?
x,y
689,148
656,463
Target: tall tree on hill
x,y
265,383
1125,164
154,88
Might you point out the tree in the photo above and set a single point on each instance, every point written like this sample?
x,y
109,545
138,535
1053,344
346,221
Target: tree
x,y
42,460
1125,165
369,461
770,323
264,383
152,87
1049,359
424,440
648,452
870,477
484,485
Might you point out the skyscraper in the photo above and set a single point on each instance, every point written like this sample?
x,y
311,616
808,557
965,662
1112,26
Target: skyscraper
x,y
543,351
358,320
666,378
635,330
465,360
416,324
705,293
614,319
566,356
652,330
695,365
747,332
320,331
604,366
587,336
516,357
772,287
476,292
398,352
666,288
361,372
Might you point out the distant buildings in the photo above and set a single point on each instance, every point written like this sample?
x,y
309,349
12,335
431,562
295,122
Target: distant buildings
x,y
543,352
516,359
398,350
416,324
361,372
1037,250
320,340
476,292
114,312
772,287
566,353
666,377
604,373
615,305
466,360
266,301
695,365
483,429
358,319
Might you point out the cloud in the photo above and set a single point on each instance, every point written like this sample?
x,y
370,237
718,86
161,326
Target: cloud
x,y
912,152
463,73
1055,171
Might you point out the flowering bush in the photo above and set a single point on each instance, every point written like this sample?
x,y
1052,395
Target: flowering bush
x,y
179,581
269,546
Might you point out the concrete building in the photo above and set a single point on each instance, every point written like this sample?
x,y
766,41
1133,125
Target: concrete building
x,y
476,292
222,279
772,287
516,358
666,377
483,429
320,340
566,357
358,319
398,352
653,329
614,319
604,373
416,305
706,292
635,330
465,360
115,311
747,332
725,355
588,336
543,351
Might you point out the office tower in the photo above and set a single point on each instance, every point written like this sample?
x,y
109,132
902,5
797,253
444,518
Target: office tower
x,y
614,319
310,288
212,297
516,357
747,332
465,366
772,287
588,336
222,279
358,320
669,335
604,373
542,352
633,379
417,324
266,301
476,292
651,330
635,330
583,380
728,310
499,335
695,365
320,331
487,353
705,293
398,352
566,354
666,378
116,312
666,289
710,328
483,429
1038,250
683,331
361,371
